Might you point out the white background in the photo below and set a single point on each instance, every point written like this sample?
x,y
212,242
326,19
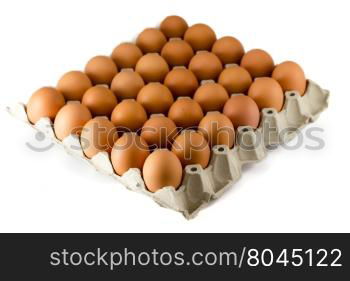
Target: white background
x,y
290,191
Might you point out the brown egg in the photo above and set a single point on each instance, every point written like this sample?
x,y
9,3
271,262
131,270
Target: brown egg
x,y
242,111
129,115
101,70
205,66
217,129
73,85
228,49
129,151
151,40
177,52
173,26
155,98
98,135
181,82
235,79
200,37
126,55
211,97
45,102
258,63
159,131
162,168
191,148
290,76
185,112
127,84
70,120
152,68
99,100
266,92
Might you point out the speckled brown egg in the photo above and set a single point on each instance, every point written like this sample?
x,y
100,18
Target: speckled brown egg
x,y
258,63
45,102
228,49
173,26
151,40
185,112
127,84
70,119
205,65
126,55
211,97
101,70
155,98
177,52
235,79
73,85
100,100
200,36
152,68
181,82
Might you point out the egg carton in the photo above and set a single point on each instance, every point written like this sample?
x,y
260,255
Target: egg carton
x,y
200,186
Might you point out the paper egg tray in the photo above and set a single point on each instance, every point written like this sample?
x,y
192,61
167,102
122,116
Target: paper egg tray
x,y
200,186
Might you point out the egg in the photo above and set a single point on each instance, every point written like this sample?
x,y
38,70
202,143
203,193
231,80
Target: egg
x,y
217,129
177,52
73,85
45,102
185,112
228,49
70,119
129,151
152,68
126,84
126,55
162,168
235,79
99,100
200,36
181,82
151,40
205,66
155,98
101,70
266,92
129,115
173,26
290,76
191,148
211,97
258,63
98,135
242,111
159,131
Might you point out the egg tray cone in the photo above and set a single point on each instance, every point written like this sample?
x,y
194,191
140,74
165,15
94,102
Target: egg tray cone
x,y
200,186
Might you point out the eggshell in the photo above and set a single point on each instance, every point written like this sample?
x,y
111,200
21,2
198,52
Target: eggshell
x,y
217,129
101,70
200,36
173,26
98,135
162,168
45,102
129,115
70,119
228,49
126,55
177,52
205,66
155,98
242,111
100,100
127,84
211,97
185,112
159,131
191,148
266,92
258,63
151,40
73,85
181,82
152,68
290,76
129,151
235,79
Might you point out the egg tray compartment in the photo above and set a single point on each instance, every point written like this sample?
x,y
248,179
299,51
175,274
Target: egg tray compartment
x,y
200,186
